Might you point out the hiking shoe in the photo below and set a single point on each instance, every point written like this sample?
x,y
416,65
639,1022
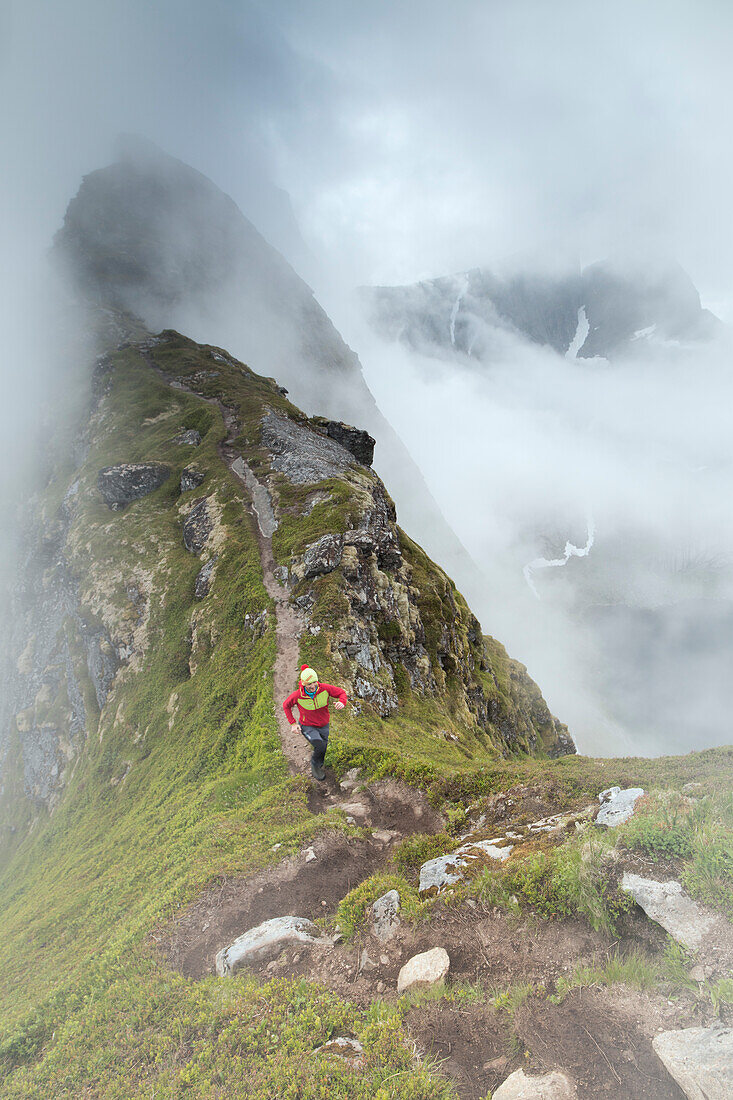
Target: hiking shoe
x,y
317,770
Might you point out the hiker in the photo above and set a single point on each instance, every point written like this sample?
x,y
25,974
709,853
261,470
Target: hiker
x,y
312,701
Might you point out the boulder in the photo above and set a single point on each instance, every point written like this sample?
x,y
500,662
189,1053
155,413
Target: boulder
x,y
197,526
120,485
323,556
552,1086
700,1059
384,915
668,905
188,438
191,478
426,969
267,940
617,806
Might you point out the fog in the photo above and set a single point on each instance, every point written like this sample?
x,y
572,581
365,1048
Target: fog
x,y
385,143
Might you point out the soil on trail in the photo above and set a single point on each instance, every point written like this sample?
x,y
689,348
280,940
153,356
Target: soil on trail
x,y
298,886
288,623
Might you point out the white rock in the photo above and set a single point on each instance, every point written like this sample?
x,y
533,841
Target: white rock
x,y
552,1086
700,1059
618,805
267,939
667,904
436,874
310,855
427,968
384,915
354,809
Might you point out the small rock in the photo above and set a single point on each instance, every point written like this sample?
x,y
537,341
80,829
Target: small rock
x,y
426,969
310,855
380,987
384,836
188,438
202,583
365,961
350,1050
667,904
354,809
700,1059
552,1086
497,1064
697,973
384,960
617,805
384,915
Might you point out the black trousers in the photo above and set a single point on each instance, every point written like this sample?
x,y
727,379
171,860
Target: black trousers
x,y
318,737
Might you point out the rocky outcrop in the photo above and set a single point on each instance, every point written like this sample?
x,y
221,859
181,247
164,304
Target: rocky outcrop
x,y
128,481
191,478
301,453
188,438
384,915
323,556
358,442
197,526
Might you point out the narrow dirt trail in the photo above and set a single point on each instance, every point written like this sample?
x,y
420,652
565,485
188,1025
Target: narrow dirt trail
x,y
288,623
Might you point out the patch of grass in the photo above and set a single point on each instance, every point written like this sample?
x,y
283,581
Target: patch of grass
x,y
411,853
662,825
352,911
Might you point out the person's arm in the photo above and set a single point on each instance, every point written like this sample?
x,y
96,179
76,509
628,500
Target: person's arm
x,y
288,708
338,694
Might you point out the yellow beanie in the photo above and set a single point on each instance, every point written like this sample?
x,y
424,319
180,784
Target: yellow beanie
x,y
307,675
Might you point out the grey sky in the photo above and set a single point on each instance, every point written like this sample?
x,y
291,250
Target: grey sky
x,y
413,138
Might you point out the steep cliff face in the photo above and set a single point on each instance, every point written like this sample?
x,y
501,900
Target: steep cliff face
x,y
133,563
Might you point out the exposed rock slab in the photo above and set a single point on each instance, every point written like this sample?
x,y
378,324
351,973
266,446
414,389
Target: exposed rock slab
x,y
551,1086
304,456
668,905
436,874
188,438
203,580
358,442
617,806
267,940
385,915
700,1059
427,968
128,481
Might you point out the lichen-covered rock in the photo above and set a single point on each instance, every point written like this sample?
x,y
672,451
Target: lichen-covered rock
x,y
350,1050
617,806
668,904
203,580
303,455
323,556
267,940
197,526
550,1086
128,481
426,969
191,478
436,874
385,915
700,1059
188,438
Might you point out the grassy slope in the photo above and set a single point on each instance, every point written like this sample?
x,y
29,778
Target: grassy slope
x,y
172,792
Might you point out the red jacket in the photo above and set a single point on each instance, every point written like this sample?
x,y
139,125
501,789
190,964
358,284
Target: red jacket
x,y
318,717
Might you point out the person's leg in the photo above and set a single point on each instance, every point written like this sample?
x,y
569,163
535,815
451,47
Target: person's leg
x,y
318,738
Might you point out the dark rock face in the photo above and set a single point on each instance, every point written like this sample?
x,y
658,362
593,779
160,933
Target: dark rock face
x,y
358,442
197,527
191,478
120,485
203,580
323,556
189,438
